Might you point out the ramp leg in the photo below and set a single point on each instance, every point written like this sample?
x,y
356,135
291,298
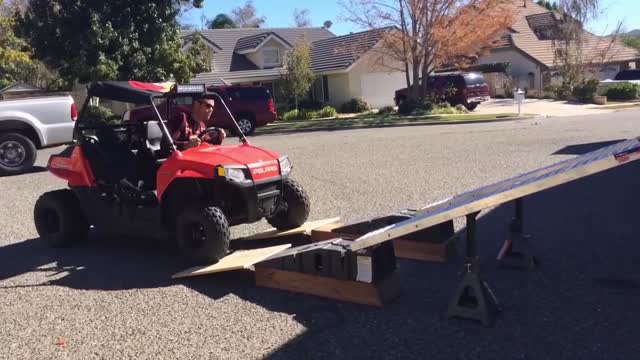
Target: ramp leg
x,y
516,251
473,299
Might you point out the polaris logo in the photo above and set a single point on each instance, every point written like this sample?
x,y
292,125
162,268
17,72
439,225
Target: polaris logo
x,y
264,170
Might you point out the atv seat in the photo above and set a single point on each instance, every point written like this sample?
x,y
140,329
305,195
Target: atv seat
x,y
156,141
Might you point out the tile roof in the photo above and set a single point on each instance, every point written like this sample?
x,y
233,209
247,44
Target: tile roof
x,y
543,51
328,52
229,65
340,52
253,41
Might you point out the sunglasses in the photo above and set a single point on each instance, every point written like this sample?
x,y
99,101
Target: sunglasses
x,y
209,106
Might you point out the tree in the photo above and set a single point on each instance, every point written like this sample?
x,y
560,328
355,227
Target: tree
x,y
301,17
16,63
631,40
327,24
297,76
571,40
115,40
222,21
245,16
425,34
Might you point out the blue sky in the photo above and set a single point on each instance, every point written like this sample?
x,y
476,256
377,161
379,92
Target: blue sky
x,y
279,13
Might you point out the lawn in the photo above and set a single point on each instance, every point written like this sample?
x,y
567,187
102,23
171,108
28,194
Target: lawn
x,y
372,120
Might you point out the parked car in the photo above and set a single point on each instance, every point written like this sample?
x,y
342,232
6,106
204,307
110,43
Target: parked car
x,y
251,106
468,89
29,124
629,74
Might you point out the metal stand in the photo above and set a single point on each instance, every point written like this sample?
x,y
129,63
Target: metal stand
x,y
516,251
473,299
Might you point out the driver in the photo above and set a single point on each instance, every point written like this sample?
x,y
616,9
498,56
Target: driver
x,y
185,128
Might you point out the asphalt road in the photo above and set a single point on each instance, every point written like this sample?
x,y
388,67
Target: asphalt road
x,y
113,298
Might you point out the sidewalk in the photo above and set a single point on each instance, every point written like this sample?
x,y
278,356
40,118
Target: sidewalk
x,y
549,107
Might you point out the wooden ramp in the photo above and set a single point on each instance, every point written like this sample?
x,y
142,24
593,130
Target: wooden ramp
x,y
236,261
306,228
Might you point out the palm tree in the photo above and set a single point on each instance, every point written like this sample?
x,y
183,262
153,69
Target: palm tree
x,y
222,21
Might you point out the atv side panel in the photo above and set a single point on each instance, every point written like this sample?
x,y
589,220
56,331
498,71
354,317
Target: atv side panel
x,y
72,165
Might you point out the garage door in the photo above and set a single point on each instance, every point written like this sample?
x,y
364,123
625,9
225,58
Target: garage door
x,y
378,88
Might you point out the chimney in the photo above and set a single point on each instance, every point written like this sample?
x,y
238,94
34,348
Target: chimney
x,y
525,3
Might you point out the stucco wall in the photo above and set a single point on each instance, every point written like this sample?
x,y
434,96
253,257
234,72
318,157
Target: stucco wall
x,y
521,66
339,89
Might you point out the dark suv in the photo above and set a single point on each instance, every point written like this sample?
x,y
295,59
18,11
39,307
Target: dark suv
x,y
252,106
468,89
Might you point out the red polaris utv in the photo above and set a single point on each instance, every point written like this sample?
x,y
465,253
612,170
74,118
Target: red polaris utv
x,y
130,179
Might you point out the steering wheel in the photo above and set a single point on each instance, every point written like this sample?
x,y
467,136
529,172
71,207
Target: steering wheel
x,y
207,131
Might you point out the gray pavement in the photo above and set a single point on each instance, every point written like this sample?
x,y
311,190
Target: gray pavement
x,y
113,298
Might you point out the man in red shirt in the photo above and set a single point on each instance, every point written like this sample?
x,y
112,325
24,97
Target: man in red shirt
x,y
185,128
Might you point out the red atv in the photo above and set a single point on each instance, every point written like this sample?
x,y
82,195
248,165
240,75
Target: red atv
x,y
130,179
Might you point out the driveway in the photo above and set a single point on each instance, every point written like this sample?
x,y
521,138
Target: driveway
x,y
544,107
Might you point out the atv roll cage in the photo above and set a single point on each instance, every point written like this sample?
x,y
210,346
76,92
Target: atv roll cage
x,y
145,93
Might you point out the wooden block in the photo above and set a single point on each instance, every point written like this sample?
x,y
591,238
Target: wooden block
x,y
349,291
424,250
236,261
304,229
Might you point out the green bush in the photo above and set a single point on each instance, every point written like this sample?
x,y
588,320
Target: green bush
x,y
622,91
290,115
415,107
100,115
586,91
447,109
307,114
310,104
461,109
355,105
328,111
386,110
560,91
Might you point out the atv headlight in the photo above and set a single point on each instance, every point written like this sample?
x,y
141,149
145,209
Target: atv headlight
x,y
285,166
236,174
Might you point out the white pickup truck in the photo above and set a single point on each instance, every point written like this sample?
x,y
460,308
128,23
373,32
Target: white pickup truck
x,y
28,124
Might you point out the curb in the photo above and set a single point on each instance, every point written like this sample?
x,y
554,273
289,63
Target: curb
x,y
374,126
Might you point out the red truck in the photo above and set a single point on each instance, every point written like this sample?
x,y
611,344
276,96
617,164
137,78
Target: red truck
x,y
252,106
468,89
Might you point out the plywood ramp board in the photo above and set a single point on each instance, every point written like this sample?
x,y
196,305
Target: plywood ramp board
x,y
304,229
236,261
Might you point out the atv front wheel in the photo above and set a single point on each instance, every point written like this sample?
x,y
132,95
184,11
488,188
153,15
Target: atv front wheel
x,y
295,208
202,234
59,219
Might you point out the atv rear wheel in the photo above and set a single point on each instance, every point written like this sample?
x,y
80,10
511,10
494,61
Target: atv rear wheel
x,y
202,234
59,219
295,208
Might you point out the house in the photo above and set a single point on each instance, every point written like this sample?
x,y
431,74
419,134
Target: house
x,y
528,45
346,67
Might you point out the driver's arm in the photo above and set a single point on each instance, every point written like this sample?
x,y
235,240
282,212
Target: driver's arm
x,y
178,127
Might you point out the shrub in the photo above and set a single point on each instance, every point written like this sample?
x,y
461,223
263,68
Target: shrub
x,y
622,91
310,104
327,111
307,114
560,91
586,91
385,110
291,115
461,109
355,105
99,115
415,107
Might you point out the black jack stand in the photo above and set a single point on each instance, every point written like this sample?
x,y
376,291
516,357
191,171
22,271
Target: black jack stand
x,y
473,299
516,252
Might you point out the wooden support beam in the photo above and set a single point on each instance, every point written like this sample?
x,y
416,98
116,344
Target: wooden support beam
x,y
432,249
343,290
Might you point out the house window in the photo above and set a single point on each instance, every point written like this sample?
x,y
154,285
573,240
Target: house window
x,y
271,56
